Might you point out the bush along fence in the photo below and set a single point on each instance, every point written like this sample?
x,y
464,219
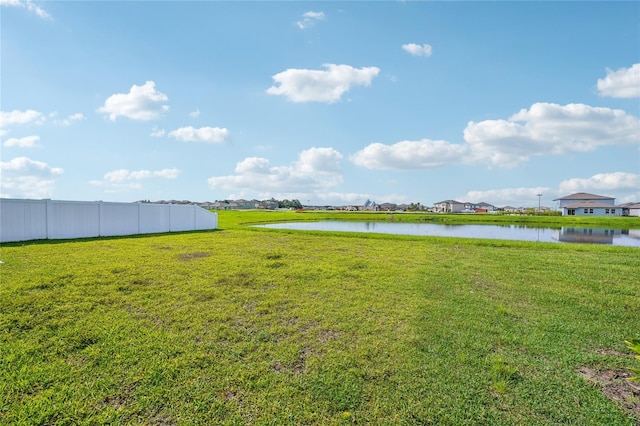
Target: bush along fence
x,y
23,220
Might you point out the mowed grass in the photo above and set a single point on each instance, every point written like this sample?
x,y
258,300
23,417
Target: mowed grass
x,y
271,327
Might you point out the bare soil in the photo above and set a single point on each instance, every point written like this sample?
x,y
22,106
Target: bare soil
x,y
615,385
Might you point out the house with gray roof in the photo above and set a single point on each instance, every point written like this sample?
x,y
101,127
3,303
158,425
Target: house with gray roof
x,y
453,206
585,204
481,206
630,209
449,206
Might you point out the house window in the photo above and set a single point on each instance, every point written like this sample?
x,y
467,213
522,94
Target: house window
x,y
613,211
571,212
590,210
606,211
586,211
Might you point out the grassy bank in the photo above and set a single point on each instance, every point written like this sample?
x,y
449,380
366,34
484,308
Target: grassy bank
x,y
254,326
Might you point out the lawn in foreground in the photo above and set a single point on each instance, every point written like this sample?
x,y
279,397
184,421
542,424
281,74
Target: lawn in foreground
x,y
248,326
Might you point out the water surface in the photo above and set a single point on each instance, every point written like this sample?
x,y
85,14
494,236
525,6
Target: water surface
x,y
616,237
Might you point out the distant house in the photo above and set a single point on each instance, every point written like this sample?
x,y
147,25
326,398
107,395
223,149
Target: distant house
x,y
511,209
449,206
453,206
480,207
268,204
223,205
630,209
470,207
584,204
370,206
388,207
246,204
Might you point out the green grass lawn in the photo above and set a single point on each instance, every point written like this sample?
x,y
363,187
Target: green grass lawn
x,y
270,327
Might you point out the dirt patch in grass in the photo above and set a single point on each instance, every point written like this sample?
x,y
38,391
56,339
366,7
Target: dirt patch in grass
x,y
298,366
122,399
328,336
190,256
162,420
614,385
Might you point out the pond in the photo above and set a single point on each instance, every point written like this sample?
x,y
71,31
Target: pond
x,y
616,237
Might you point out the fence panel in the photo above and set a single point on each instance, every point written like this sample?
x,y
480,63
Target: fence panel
x,y
154,218
23,220
204,219
118,219
182,219
72,219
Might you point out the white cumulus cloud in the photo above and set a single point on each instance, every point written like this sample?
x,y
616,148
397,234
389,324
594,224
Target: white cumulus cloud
x,y
623,83
549,129
202,134
157,132
253,165
409,155
195,114
27,165
316,160
616,181
141,103
23,177
123,179
10,118
27,4
316,170
310,18
417,49
71,119
543,129
303,85
121,175
24,142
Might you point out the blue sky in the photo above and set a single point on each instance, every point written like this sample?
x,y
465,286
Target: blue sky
x,y
324,102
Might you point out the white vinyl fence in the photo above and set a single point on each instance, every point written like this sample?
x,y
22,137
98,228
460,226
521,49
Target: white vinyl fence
x,y
23,220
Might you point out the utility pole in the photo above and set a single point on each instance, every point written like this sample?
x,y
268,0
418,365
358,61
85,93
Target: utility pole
x,y
539,195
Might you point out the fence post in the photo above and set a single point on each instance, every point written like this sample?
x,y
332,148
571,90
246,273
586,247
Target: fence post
x,y
48,218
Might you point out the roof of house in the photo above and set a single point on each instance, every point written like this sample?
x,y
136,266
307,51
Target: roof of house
x,y
630,205
584,196
588,204
449,202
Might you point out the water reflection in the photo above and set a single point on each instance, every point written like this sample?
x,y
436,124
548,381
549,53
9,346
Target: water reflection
x,y
505,232
589,235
